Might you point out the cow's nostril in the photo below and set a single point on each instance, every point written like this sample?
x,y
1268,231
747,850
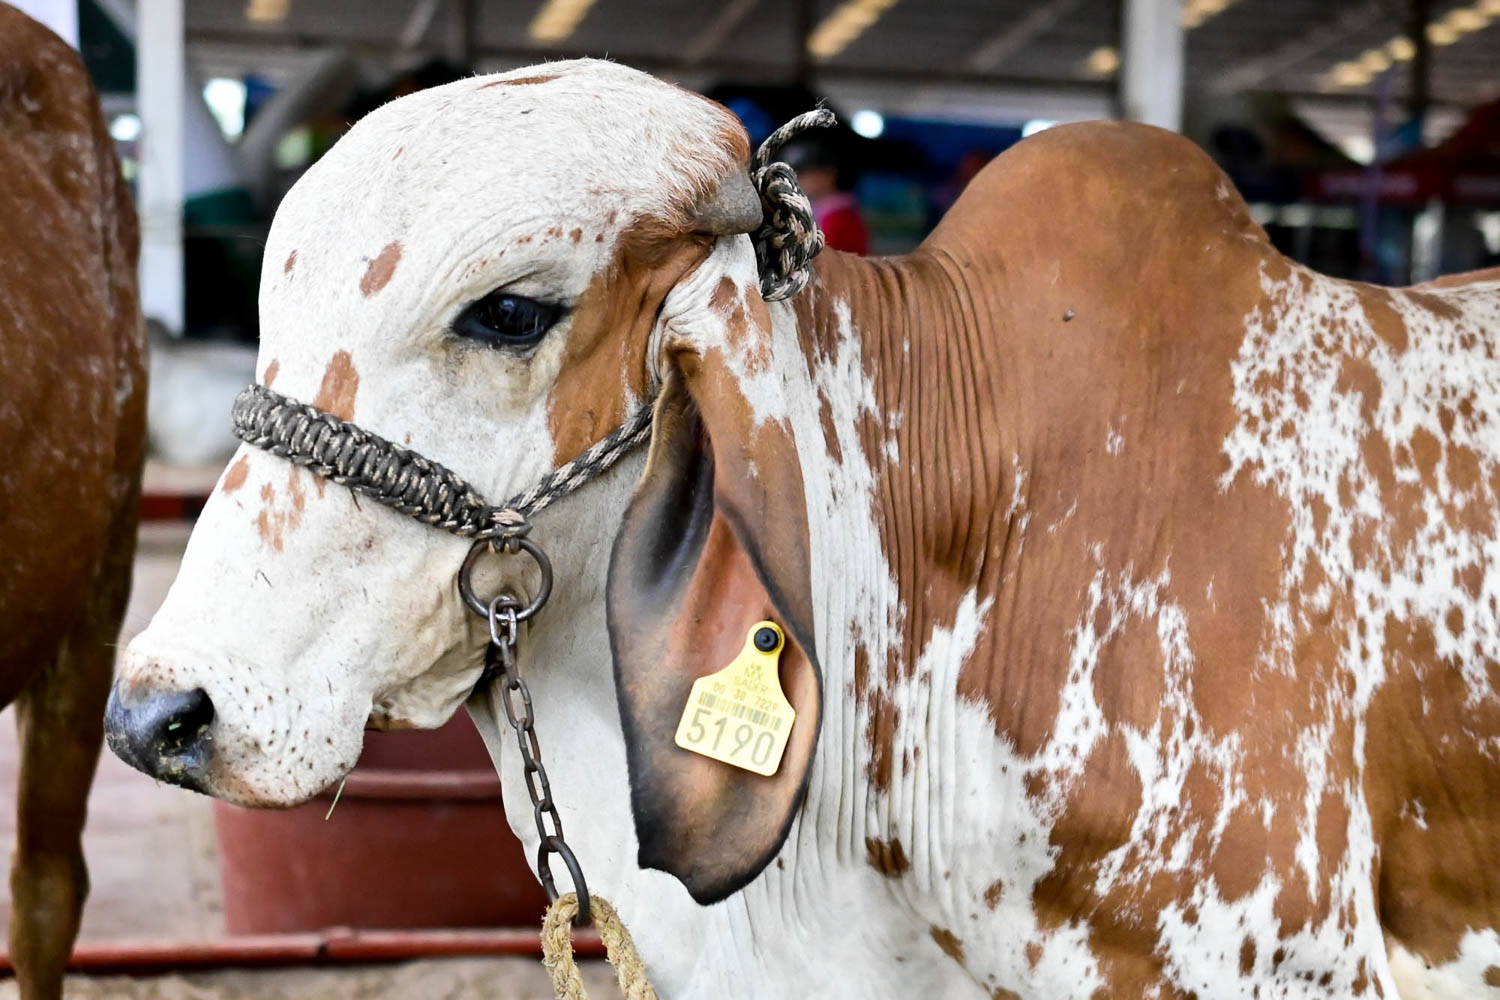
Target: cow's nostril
x,y
165,735
185,722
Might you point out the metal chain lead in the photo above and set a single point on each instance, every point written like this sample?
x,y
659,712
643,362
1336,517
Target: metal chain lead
x,y
515,697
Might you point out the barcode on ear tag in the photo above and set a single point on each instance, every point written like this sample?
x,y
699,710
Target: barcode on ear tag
x,y
739,714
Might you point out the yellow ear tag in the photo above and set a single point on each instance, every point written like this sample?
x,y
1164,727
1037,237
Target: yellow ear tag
x,y
739,715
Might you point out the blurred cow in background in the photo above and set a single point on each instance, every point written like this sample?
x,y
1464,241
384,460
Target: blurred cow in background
x,y
72,430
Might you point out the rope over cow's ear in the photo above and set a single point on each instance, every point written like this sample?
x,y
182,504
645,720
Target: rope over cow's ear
x,y
788,238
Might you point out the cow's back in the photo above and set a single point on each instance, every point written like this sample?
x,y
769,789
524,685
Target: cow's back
x,y
72,384
1253,517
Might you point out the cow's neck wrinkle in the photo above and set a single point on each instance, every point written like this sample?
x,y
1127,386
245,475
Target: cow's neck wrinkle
x,y
944,437
918,516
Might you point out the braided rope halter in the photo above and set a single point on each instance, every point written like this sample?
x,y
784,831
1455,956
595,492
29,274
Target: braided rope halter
x,y
412,484
406,481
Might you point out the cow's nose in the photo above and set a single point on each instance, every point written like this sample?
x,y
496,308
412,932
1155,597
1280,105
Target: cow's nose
x,y
164,734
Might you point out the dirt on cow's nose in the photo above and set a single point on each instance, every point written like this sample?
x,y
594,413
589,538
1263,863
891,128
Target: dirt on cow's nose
x,y
164,734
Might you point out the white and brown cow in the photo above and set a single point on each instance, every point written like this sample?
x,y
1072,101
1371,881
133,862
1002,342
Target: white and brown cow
x,y
1141,585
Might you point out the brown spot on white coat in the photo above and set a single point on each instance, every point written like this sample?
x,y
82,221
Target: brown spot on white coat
x,y
887,857
235,477
339,387
519,81
379,271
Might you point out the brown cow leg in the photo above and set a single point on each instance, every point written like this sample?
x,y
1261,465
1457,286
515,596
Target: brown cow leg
x,y
60,720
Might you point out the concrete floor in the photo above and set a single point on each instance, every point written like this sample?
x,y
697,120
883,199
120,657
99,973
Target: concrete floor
x,y
154,871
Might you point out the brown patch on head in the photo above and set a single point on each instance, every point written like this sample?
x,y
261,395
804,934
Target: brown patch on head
x,y
291,262
379,271
295,490
263,529
235,477
339,387
576,234
887,857
274,522
520,81
949,942
1492,976
263,526
272,370
993,894
605,356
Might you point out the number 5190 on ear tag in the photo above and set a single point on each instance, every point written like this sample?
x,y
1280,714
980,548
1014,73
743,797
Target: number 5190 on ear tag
x,y
739,714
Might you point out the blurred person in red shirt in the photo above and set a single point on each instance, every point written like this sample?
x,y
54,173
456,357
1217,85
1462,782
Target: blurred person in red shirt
x,y
828,188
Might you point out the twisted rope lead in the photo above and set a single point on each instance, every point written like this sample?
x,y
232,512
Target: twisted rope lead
x,y
788,238
619,947
406,481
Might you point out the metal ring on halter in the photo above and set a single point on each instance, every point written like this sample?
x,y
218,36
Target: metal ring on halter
x,y
503,613
466,575
556,845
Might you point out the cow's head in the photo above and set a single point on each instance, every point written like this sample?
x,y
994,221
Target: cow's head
x,y
494,273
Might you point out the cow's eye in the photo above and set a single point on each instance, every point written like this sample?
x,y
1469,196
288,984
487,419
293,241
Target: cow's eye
x,y
504,320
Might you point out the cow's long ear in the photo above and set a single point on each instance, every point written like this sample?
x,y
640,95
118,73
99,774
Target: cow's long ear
x,y
714,542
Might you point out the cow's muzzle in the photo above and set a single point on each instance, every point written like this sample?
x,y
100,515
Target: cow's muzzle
x,y
164,734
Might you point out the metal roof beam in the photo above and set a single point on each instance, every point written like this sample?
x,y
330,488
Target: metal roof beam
x,y
710,39
723,68
417,23
1256,70
1015,38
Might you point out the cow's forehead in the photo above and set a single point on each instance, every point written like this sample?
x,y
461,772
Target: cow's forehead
x,y
527,180
584,143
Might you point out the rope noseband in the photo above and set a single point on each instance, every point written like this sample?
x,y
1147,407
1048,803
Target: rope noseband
x,y
406,481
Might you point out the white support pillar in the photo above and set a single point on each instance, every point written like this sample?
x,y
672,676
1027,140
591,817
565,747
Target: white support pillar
x,y
59,15
160,76
1151,63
